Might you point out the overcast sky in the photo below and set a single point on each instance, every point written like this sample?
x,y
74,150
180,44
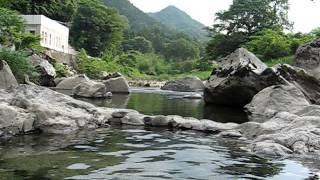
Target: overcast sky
x,y
304,13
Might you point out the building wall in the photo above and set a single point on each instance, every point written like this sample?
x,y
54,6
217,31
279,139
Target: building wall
x,y
53,34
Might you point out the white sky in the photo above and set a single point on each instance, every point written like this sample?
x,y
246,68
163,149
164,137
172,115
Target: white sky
x,y
304,13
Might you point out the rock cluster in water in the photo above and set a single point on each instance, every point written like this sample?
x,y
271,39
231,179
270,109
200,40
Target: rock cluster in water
x,y
187,84
280,102
82,86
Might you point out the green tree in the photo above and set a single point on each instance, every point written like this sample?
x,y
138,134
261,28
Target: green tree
x,y
138,43
222,45
316,32
12,31
182,49
269,44
273,44
96,28
251,16
61,10
243,19
298,39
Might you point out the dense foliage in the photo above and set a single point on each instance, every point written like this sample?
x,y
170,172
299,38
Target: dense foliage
x,y
18,64
243,19
96,28
138,43
12,31
271,44
141,24
61,10
182,49
316,32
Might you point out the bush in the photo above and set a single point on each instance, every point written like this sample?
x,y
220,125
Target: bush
x,y
269,44
12,31
62,70
18,64
299,39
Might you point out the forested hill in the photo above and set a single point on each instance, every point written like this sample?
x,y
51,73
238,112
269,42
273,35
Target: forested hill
x,y
138,20
143,25
180,21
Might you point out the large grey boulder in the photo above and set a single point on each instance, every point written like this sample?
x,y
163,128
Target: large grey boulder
x,y
282,122
28,108
308,57
91,89
7,79
117,85
239,77
305,82
71,82
289,133
187,84
274,99
45,69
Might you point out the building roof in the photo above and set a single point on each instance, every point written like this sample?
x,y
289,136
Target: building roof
x,y
41,19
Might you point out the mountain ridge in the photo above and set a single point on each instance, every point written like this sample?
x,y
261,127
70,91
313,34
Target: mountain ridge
x,y
179,20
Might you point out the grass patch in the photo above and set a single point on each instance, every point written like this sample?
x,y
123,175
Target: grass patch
x,y
283,60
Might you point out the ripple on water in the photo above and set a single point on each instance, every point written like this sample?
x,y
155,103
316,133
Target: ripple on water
x,y
142,154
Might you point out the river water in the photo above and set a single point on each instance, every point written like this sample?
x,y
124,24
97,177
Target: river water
x,y
126,152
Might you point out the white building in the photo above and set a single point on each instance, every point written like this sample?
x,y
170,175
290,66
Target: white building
x,y
53,35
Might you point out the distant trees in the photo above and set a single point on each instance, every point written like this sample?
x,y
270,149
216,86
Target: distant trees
x,y
182,49
96,28
138,43
61,10
271,44
316,32
243,19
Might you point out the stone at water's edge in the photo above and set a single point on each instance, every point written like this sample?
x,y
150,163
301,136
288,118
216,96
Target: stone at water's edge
x,y
117,85
284,122
239,77
187,84
71,82
308,57
7,79
91,89
305,82
27,108
271,100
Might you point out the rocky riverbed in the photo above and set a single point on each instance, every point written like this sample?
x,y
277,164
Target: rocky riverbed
x,y
281,103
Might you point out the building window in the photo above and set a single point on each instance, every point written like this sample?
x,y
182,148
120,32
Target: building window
x,y
46,38
50,39
42,36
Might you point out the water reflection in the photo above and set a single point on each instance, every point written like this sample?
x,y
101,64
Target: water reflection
x,y
138,153
158,102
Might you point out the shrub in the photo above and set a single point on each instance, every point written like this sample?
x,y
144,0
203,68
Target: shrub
x,y
12,31
18,64
62,70
269,44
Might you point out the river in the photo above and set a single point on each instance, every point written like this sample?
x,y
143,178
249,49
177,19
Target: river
x,y
126,152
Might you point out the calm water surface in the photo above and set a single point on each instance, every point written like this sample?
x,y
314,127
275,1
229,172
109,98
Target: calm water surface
x,y
145,153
